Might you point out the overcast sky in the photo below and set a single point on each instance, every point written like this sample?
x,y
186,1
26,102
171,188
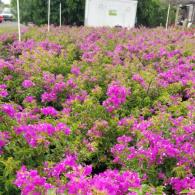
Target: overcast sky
x,y
6,1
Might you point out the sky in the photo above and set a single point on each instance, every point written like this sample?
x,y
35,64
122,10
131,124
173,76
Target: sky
x,y
6,1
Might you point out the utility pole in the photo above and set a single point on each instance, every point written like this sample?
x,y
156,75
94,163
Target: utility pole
x,y
49,7
60,14
18,13
168,12
177,15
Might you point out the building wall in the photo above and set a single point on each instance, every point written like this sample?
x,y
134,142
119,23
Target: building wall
x,y
110,13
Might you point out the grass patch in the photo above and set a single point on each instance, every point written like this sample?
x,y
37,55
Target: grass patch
x,y
6,29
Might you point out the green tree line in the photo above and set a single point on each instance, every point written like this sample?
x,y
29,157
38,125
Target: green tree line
x,y
36,11
150,13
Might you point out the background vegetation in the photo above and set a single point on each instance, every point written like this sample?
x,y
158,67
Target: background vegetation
x,y
36,11
150,13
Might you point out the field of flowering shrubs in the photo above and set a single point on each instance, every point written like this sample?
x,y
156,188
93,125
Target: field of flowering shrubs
x,y
97,112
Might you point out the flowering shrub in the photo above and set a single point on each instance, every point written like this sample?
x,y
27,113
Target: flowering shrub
x,y
79,182
97,111
4,139
27,84
31,182
117,96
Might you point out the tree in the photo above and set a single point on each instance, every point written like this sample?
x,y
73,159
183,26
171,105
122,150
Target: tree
x,y
151,13
26,9
36,11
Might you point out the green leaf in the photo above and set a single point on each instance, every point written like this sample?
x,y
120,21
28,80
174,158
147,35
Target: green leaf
x,y
184,191
51,192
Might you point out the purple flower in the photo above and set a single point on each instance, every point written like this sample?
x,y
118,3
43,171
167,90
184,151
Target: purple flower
x,y
66,111
36,134
29,99
8,109
4,139
116,96
48,97
4,64
59,87
75,70
27,84
3,90
183,184
63,127
139,79
30,182
49,111
124,139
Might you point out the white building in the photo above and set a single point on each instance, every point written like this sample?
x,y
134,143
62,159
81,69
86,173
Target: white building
x,y
110,13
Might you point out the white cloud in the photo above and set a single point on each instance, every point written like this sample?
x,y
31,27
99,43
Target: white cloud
x,y
6,1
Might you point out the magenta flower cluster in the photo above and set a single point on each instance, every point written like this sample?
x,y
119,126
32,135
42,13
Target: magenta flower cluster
x,y
117,95
38,133
3,91
27,84
140,80
31,182
97,111
181,184
8,109
4,139
23,46
78,178
49,111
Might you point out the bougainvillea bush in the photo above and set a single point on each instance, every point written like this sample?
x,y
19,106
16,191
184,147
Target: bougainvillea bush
x,y
88,111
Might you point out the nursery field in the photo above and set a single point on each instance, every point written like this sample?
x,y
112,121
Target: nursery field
x,y
88,111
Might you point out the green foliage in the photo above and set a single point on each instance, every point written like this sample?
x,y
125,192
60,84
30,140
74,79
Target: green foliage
x,y
153,13
36,11
8,169
147,102
150,12
146,189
